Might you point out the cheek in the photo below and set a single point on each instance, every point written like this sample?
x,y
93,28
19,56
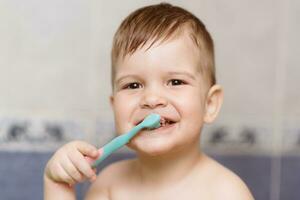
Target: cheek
x,y
123,108
191,106
120,112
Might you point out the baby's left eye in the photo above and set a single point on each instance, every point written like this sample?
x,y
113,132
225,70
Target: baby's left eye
x,y
176,82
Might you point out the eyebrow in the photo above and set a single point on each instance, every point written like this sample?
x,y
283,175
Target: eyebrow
x,y
124,77
169,73
183,73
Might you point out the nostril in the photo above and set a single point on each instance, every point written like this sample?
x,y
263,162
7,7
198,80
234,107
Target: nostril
x,y
152,101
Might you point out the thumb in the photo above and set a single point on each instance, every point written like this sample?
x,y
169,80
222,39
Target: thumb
x,y
91,160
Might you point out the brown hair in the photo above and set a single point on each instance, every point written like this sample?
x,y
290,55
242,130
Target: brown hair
x,y
158,23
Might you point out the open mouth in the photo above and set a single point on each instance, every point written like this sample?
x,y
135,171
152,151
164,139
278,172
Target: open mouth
x,y
163,122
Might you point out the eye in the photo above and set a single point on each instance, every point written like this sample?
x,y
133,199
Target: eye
x,y
134,85
176,82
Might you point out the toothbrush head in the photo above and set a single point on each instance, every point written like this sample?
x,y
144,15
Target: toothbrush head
x,y
152,121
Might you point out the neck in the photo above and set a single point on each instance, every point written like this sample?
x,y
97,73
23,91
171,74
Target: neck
x,y
168,168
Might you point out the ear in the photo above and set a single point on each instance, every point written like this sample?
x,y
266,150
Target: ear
x,y
213,103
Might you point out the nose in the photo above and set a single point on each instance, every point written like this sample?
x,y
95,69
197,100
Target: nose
x,y
153,99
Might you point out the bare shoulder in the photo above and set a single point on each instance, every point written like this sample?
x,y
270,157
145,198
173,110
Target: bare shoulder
x,y
111,175
227,183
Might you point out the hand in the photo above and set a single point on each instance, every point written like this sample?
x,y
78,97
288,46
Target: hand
x,y
71,163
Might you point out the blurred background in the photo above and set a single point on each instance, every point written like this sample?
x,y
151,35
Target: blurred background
x,y
55,87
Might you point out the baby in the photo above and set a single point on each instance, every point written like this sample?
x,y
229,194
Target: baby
x,y
162,62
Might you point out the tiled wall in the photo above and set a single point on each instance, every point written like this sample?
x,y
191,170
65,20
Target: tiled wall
x,y
55,82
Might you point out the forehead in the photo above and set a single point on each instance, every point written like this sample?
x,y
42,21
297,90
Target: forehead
x,y
177,52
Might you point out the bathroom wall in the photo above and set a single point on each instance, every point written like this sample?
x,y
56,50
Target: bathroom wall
x,y
55,86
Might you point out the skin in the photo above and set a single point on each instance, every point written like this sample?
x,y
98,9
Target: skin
x,y
164,79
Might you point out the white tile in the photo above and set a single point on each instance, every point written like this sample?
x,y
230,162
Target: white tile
x,y
292,79
246,49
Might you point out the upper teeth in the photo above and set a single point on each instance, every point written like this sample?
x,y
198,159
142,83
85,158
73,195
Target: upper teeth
x,y
164,122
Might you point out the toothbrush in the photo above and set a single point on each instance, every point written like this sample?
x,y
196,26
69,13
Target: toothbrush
x,y
151,121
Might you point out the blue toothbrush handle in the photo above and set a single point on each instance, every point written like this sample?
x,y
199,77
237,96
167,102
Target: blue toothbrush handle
x,y
116,144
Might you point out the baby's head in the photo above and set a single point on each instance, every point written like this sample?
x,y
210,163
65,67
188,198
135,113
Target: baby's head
x,y
159,23
163,62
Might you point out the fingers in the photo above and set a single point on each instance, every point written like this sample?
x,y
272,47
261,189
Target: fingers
x,y
82,165
89,160
72,171
92,160
63,176
87,149
70,163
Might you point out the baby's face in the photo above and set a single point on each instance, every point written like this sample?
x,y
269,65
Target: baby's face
x,y
164,79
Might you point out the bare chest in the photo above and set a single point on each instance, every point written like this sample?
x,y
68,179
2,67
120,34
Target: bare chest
x,y
191,192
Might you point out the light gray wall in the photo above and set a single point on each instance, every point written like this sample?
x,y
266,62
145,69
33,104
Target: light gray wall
x,y
55,72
